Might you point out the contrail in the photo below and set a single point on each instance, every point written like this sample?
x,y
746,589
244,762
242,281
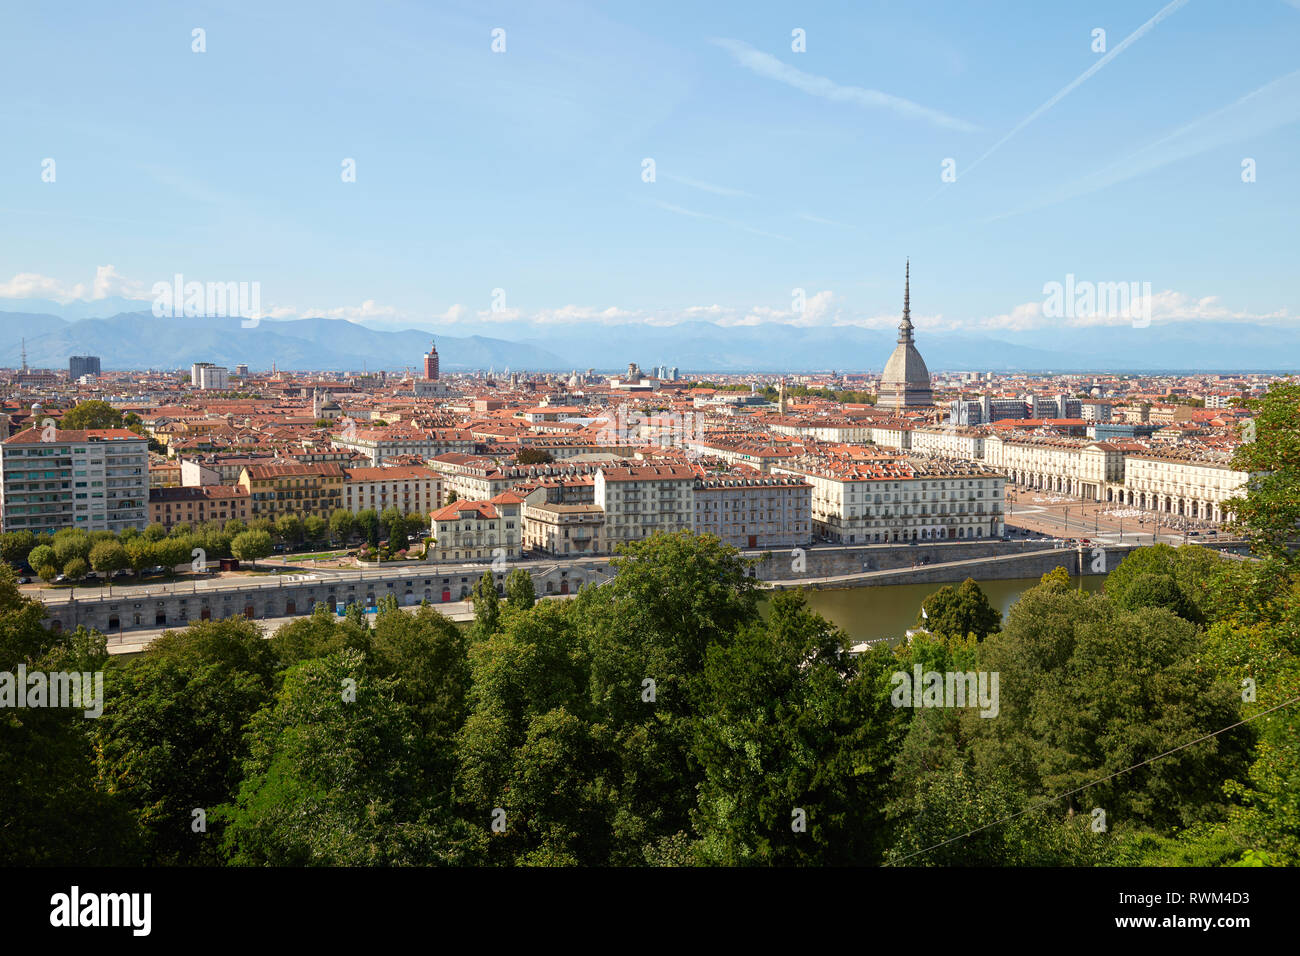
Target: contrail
x,y
1080,79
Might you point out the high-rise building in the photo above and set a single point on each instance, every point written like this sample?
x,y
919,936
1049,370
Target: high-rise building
x,y
97,479
79,365
431,363
206,376
906,381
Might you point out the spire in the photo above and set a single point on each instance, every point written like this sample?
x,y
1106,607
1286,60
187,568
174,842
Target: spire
x,y
905,327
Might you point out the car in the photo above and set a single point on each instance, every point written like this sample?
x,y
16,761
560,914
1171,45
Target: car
x,y
156,569
92,576
123,573
24,580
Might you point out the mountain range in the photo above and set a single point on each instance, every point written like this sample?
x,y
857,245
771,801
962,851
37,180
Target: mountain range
x,y
137,339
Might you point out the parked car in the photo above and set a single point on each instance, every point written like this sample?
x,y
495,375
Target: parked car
x,y
123,573
24,580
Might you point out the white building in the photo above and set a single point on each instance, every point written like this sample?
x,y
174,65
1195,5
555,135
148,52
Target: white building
x,y
1180,484
474,531
408,489
208,377
640,500
952,441
904,499
1070,466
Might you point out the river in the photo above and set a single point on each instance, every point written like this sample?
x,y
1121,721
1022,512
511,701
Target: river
x,y
867,613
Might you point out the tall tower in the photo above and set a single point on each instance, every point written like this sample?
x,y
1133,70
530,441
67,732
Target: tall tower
x,y
431,363
906,381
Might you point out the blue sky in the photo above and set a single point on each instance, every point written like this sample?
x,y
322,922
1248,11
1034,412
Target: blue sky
x,y
774,169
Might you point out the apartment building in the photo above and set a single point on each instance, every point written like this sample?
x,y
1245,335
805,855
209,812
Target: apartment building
x,y
476,478
471,531
199,503
827,429
892,433
1181,483
208,377
905,499
407,488
563,529
1053,463
762,511
279,489
949,441
640,500
97,479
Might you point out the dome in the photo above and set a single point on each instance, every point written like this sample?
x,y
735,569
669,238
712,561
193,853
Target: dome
x,y
906,367
905,382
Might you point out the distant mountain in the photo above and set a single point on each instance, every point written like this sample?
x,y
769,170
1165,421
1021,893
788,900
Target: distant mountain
x,y
140,340
137,339
702,346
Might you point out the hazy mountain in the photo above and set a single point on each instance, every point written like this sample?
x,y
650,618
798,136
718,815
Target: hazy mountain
x,y
140,340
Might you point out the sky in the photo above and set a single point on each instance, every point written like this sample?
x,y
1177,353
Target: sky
x,y
610,165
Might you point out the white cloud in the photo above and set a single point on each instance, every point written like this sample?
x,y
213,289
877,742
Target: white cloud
x,y
108,281
766,65
32,285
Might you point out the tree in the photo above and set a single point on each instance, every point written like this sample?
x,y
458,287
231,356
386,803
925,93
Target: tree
x,y
70,543
173,738
314,528
251,545
335,777
107,557
92,414
289,529
76,570
791,730
955,612
16,545
519,589
397,534
55,813
156,532
534,456
1088,689
1155,590
367,522
1269,511
341,525
42,558
416,522
142,554
487,606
